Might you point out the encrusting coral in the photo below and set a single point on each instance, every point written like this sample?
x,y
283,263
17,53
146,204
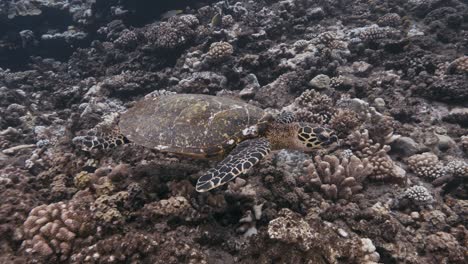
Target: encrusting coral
x,y
291,229
319,240
106,208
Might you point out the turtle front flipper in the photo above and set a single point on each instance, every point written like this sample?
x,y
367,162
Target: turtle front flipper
x,y
239,161
102,141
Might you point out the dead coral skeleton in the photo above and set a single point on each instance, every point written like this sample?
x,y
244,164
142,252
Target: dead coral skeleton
x,y
290,228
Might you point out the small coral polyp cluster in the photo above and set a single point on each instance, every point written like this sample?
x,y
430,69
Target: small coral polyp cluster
x,y
388,77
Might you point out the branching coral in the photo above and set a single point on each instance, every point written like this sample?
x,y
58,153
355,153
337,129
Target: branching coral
x,y
454,180
389,19
220,51
51,230
458,168
344,122
426,165
170,35
331,40
127,40
419,195
311,106
189,20
338,178
383,167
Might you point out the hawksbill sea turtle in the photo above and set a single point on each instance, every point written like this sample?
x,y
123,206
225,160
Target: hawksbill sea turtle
x,y
205,126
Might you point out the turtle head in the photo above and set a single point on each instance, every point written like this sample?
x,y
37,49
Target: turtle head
x,y
311,137
103,141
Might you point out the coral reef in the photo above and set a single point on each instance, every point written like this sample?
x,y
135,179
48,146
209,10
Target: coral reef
x,y
389,77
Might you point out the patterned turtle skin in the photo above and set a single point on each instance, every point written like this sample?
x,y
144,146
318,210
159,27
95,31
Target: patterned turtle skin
x,y
189,124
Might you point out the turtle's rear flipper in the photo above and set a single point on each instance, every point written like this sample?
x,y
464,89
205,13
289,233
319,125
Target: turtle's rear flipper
x,y
104,141
240,160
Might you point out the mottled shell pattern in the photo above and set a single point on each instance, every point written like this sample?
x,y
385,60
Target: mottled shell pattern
x,y
189,124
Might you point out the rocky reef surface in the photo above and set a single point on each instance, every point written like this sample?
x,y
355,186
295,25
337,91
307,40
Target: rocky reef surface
x,y
390,77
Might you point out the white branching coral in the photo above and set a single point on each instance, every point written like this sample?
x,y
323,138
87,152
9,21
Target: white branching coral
x,y
457,168
419,195
338,178
426,165
311,106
